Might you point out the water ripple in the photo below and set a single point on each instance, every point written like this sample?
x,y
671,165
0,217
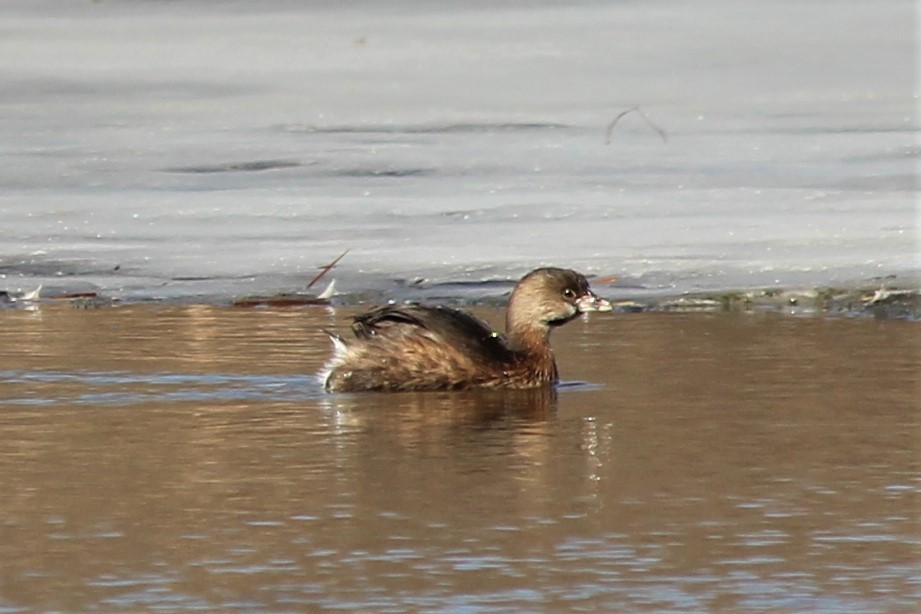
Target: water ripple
x,y
126,388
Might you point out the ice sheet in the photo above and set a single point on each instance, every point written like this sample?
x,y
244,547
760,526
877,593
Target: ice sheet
x,y
214,148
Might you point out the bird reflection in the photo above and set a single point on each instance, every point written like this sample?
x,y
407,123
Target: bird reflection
x,y
475,408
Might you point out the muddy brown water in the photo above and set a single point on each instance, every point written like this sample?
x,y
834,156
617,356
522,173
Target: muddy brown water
x,y
183,457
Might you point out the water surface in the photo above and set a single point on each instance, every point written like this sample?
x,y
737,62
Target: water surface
x,y
184,457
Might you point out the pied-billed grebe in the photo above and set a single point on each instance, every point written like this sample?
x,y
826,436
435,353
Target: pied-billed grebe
x,y
414,347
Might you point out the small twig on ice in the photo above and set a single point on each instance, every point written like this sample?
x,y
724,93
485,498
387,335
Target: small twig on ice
x,y
649,122
326,269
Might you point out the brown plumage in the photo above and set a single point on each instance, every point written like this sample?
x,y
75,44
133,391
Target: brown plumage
x,y
415,347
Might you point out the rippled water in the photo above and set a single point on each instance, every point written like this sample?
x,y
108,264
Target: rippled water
x,y
176,458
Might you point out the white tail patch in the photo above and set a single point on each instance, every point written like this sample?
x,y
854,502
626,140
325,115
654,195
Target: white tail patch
x,y
339,346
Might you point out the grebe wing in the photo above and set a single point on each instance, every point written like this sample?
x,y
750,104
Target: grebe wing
x,y
445,325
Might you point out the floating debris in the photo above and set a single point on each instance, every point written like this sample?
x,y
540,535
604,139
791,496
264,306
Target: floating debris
x,y
280,300
888,304
79,295
881,303
687,303
629,306
34,295
20,299
289,299
296,299
92,302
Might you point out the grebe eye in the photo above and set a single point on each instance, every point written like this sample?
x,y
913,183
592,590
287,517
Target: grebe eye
x,y
569,293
